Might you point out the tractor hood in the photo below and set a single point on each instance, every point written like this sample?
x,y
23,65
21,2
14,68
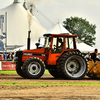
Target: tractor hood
x,y
35,51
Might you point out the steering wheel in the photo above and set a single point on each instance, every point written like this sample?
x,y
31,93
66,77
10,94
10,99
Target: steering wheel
x,y
55,48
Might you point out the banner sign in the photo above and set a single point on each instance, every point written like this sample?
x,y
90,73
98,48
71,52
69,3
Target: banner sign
x,y
0,66
7,65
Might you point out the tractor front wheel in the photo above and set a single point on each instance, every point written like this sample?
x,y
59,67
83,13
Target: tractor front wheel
x,y
33,68
19,70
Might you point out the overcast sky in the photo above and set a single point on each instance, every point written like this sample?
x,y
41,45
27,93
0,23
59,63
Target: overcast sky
x,y
59,10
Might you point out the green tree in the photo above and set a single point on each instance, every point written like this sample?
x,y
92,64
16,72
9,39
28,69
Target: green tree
x,y
82,29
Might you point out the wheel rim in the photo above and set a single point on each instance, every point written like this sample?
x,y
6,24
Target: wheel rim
x,y
34,68
75,66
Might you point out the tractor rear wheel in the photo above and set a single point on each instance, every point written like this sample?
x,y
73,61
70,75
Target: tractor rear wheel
x,y
19,70
33,68
72,65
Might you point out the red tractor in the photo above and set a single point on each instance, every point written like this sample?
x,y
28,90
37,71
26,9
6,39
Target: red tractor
x,y
59,55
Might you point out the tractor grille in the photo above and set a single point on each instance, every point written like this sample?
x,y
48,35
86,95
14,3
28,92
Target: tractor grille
x,y
19,56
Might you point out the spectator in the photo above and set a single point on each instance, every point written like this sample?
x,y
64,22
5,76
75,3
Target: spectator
x,y
1,57
94,55
4,56
9,56
88,56
14,56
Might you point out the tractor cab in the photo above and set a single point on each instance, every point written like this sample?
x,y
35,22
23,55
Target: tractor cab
x,y
57,42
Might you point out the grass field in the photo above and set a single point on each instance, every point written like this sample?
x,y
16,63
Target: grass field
x,y
5,72
51,84
13,72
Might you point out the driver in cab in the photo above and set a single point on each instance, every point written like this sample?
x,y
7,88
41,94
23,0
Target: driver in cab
x,y
59,47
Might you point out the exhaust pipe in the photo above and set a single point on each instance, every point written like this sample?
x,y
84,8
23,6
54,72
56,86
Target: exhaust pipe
x,y
28,40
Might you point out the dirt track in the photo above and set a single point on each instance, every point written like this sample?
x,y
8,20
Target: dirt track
x,y
47,92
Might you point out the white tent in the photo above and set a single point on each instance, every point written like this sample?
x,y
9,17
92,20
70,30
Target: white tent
x,y
32,46
57,29
85,48
19,22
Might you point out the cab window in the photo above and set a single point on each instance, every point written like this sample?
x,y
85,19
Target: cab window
x,y
57,45
69,43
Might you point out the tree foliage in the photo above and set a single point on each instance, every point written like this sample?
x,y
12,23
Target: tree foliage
x,y
82,29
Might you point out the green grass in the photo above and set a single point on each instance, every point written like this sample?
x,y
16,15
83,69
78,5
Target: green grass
x,y
46,72
5,72
51,84
9,72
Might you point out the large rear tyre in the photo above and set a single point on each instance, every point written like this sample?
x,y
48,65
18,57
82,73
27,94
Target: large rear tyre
x,y
33,68
72,65
19,70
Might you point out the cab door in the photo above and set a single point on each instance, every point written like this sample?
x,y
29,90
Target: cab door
x,y
55,52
